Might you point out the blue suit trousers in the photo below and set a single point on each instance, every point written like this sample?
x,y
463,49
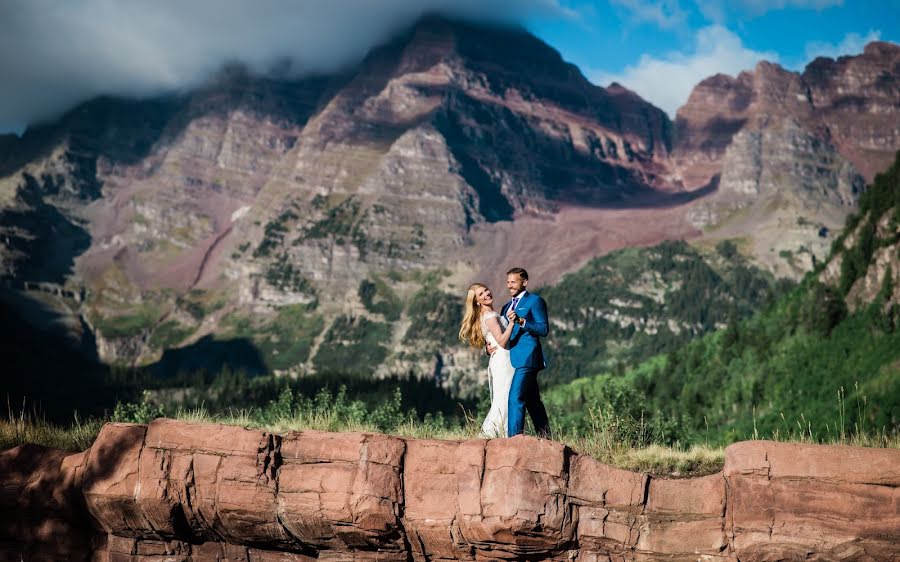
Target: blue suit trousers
x,y
524,393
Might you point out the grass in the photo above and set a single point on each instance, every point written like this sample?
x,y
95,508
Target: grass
x,y
169,334
605,440
24,429
284,340
128,325
655,459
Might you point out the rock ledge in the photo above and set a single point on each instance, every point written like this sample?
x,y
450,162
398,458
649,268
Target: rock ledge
x,y
180,491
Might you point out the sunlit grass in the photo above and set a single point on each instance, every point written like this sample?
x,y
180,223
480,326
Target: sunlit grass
x,y
654,458
620,441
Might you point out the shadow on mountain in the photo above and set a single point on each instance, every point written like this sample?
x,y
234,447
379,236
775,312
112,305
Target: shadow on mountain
x,y
492,204
48,240
209,355
45,367
495,145
645,198
119,129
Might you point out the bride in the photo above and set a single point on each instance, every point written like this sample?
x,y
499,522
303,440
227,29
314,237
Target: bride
x,y
481,324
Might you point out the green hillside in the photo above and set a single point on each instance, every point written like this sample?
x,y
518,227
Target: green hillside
x,y
822,361
632,304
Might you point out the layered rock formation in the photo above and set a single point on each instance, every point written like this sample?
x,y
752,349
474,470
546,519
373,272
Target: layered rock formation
x,y
849,103
268,192
796,148
455,147
181,491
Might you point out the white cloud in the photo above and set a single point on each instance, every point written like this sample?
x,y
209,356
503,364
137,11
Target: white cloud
x,y
851,44
757,7
667,82
56,53
666,14
720,10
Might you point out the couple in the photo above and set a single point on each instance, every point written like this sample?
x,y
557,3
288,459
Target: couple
x,y
513,341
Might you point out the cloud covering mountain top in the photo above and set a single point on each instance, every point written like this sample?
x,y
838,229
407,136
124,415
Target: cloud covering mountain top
x,y
54,54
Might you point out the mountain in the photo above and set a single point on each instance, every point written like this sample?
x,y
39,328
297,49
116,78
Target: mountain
x,y
792,150
332,223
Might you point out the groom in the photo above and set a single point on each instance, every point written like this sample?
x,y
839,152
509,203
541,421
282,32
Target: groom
x,y
529,313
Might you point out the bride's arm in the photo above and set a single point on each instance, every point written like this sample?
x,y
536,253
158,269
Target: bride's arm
x,y
502,336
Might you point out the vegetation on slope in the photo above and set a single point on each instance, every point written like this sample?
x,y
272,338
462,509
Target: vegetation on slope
x,y
627,306
804,365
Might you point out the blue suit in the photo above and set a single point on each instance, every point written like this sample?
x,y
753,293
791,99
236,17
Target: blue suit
x,y
527,359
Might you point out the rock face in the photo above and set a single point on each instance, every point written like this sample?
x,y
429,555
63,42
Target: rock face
x,y
794,148
454,147
42,505
856,98
181,491
277,192
793,187
849,103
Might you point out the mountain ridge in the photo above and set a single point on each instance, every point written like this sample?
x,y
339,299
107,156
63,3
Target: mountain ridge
x,y
442,150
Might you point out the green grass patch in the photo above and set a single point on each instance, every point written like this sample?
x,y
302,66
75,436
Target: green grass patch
x,y
378,298
288,339
77,436
128,325
200,303
354,346
283,341
336,411
169,334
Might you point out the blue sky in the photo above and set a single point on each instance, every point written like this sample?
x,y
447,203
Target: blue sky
x,y
55,54
661,49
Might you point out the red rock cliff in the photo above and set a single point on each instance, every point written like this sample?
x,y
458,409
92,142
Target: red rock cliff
x,y
191,492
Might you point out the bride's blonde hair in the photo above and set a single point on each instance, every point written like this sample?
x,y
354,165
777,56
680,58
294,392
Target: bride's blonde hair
x,y
470,329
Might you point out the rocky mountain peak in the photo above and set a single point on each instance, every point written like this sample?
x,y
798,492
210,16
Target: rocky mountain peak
x,y
512,66
881,49
842,101
454,144
794,150
856,98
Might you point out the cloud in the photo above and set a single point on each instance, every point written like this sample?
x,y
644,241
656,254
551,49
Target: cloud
x,y
851,44
759,7
56,53
667,82
719,10
666,14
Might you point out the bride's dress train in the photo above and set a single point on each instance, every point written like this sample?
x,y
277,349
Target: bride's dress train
x,y
500,375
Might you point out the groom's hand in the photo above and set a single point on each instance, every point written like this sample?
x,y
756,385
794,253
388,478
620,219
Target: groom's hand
x,y
489,349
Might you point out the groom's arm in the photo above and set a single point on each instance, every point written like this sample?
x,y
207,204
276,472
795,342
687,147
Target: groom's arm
x,y
538,324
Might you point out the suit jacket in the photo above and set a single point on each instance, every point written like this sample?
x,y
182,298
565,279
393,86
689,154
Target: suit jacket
x,y
525,343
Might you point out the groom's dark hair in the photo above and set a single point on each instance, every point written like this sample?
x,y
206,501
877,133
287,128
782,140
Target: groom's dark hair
x,y
519,271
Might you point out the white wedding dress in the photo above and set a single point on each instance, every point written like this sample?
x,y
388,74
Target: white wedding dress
x,y
500,375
